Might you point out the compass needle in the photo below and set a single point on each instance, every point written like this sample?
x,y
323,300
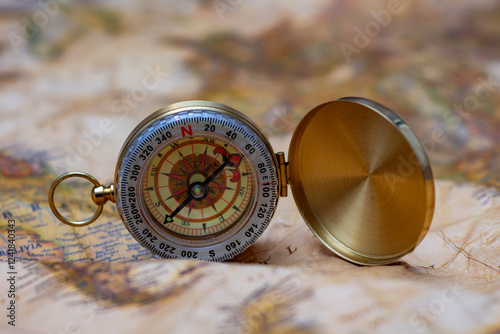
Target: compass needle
x,y
169,218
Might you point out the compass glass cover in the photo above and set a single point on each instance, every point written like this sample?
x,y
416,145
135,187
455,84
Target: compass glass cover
x,y
196,180
178,171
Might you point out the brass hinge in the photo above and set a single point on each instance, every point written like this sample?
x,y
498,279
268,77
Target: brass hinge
x,y
100,195
282,174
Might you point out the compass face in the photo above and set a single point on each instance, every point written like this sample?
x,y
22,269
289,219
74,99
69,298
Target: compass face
x,y
196,181
179,172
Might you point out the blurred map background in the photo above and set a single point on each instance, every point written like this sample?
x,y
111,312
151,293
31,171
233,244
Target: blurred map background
x,y
72,88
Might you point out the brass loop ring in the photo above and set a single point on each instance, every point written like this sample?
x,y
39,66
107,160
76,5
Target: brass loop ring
x,y
76,223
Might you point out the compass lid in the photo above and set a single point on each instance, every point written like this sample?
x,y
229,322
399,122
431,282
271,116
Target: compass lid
x,y
361,180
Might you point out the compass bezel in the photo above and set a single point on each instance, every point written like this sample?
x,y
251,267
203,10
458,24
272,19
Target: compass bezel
x,y
250,229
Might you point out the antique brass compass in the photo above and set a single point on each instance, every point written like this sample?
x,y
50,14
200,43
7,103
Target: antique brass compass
x,y
199,180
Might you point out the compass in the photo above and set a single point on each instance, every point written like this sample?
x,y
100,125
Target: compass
x,y
199,180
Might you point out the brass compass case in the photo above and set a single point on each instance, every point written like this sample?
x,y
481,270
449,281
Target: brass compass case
x,y
361,180
235,224
199,180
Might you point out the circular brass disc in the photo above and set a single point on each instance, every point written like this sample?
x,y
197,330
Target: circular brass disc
x,y
361,180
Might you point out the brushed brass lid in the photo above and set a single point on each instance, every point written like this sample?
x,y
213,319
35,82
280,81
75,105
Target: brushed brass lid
x,y
361,180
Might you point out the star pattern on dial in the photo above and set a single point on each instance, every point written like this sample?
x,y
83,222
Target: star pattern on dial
x,y
196,168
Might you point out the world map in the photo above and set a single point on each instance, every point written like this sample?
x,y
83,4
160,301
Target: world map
x,y
71,94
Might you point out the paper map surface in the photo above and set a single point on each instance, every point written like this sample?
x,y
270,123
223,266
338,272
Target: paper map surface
x,y
72,92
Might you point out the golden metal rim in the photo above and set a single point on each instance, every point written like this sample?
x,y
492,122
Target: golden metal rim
x,y
55,184
348,246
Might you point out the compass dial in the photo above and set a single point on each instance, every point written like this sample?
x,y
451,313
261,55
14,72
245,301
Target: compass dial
x,y
196,180
178,173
